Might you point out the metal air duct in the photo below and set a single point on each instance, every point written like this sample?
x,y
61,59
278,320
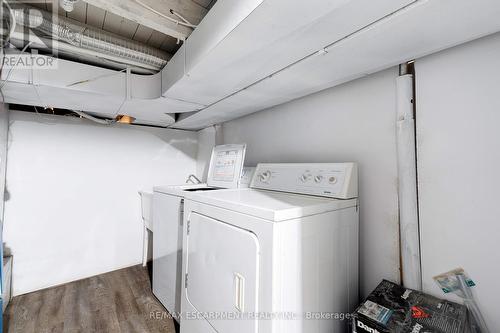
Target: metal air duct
x,y
108,45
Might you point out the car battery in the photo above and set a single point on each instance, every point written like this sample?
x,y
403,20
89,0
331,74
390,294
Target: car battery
x,y
395,309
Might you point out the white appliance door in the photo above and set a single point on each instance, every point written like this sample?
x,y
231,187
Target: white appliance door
x,y
167,250
223,271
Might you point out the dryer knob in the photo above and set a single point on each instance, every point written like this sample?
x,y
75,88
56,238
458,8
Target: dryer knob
x,y
265,176
305,177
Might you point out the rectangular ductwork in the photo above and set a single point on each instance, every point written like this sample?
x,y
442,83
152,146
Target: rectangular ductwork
x,y
261,65
249,55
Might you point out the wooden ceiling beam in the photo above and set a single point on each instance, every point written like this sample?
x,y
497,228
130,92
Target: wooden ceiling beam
x,y
135,11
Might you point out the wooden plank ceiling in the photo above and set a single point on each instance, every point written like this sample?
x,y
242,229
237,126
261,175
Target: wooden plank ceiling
x,y
108,21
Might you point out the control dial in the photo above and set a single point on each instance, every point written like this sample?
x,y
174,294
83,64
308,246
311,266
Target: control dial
x,y
318,178
265,176
305,177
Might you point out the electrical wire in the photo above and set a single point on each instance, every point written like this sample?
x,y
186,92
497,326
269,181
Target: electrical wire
x,y
80,113
95,78
44,120
173,12
12,26
184,22
15,65
94,119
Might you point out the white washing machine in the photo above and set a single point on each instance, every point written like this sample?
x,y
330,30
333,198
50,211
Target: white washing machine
x,y
279,257
225,171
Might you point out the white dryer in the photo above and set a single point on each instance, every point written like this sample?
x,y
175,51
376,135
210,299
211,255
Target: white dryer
x,y
225,171
279,257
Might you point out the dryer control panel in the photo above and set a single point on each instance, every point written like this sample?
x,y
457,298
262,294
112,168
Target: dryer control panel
x,y
334,180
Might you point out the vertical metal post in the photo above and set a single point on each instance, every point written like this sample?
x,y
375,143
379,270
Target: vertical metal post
x,y
407,186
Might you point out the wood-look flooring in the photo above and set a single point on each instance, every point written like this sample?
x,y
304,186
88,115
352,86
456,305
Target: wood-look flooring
x,y
116,302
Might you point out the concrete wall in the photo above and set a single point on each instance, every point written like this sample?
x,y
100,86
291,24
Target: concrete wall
x,y
73,209
353,122
458,133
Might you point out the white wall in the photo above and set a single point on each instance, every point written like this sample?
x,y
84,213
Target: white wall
x,y
458,133
207,140
352,122
4,129
73,208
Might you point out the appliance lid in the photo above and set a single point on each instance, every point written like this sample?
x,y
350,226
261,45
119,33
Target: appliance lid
x,y
226,165
270,205
180,190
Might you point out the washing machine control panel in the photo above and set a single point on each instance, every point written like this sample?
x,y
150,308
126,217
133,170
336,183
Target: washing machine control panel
x,y
335,180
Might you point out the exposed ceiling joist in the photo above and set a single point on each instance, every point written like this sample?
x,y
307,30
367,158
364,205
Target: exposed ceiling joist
x,y
137,11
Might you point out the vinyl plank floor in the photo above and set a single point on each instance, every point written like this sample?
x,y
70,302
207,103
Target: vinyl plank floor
x,y
116,302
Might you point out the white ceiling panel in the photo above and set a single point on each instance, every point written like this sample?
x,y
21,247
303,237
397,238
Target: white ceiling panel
x,y
113,23
143,34
95,16
156,14
156,39
170,45
79,12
